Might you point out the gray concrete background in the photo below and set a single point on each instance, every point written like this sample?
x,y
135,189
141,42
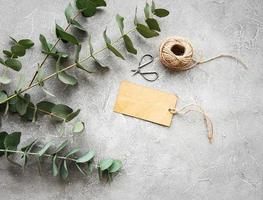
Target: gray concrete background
x,y
159,163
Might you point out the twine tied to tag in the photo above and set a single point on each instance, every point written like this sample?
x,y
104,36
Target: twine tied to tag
x,y
196,108
176,53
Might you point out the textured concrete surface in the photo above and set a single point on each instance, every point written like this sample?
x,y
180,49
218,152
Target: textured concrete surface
x,y
159,163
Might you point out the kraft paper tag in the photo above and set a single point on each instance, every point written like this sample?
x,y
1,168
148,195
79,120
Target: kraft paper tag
x,y
145,103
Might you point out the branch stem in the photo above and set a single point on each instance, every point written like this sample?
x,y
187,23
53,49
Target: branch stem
x,y
66,68
46,57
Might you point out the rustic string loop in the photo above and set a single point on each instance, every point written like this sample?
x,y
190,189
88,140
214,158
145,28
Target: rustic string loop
x,y
176,53
196,108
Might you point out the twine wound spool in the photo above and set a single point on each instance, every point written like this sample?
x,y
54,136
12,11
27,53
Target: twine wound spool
x,y
176,53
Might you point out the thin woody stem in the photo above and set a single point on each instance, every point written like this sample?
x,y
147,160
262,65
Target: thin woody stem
x,y
66,68
36,154
46,57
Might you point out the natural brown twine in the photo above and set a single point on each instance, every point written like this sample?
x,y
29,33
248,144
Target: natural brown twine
x,y
196,108
176,53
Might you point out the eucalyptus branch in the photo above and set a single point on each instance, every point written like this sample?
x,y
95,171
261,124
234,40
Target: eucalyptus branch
x,y
60,159
66,68
46,57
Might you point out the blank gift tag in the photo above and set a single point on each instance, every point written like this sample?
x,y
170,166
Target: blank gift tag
x,y
145,103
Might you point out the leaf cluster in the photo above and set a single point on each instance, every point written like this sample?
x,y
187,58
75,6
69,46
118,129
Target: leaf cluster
x,y
61,156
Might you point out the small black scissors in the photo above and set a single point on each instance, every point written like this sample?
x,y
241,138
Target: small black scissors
x,y
152,76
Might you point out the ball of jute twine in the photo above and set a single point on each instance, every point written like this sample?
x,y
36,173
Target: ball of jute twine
x,y
176,53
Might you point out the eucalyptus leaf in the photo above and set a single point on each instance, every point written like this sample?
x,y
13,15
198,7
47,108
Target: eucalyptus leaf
x,y
2,144
135,21
69,13
153,24
30,114
77,25
87,7
80,170
18,50
61,146
145,31
44,43
5,80
72,115
78,127
9,54
91,50
12,140
2,61
153,6
160,12
64,36
86,157
147,10
61,112
54,166
105,164
116,166
129,45
22,104
13,64
26,43
67,79
45,106
44,149
64,170
120,20
72,152
13,39
3,97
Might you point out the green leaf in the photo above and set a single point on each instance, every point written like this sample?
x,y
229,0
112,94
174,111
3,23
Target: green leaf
x,y
67,79
26,43
44,43
9,54
105,164
78,48
64,36
54,166
5,80
69,12
129,45
31,112
87,7
45,106
2,61
160,12
61,112
22,104
29,145
120,20
153,24
145,31
77,25
13,64
12,140
13,39
2,144
78,127
153,6
110,47
64,170
147,10
99,3
99,65
3,97
45,148
72,115
81,170
61,146
116,166
73,151
86,157
135,21
18,50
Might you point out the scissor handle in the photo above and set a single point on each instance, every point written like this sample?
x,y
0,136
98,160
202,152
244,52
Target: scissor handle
x,y
145,74
147,63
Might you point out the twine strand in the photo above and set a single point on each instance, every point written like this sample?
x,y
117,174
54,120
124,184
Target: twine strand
x,y
196,108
